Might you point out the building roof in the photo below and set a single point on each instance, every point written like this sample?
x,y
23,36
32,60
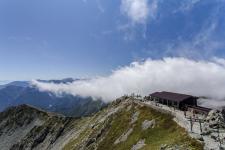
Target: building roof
x,y
171,96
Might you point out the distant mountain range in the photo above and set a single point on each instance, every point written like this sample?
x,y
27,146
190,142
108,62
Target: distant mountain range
x,y
66,80
21,92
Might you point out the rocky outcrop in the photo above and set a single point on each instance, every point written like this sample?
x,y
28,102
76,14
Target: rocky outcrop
x,y
148,124
212,130
26,127
213,121
173,147
134,117
223,112
140,144
124,136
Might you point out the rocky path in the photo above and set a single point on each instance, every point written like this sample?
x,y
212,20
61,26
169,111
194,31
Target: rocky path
x,y
210,139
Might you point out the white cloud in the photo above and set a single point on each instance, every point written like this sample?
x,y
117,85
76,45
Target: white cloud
x,y
200,78
204,44
211,103
100,7
139,10
187,5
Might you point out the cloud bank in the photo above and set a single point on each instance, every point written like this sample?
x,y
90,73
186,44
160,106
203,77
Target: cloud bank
x,y
199,78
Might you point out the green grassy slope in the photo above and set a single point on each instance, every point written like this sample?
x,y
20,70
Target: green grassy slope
x,y
102,135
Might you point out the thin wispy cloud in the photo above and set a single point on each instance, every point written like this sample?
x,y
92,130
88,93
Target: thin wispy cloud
x,y
200,78
138,11
187,5
100,7
204,44
98,4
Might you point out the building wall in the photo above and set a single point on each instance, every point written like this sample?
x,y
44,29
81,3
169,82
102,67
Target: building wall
x,y
180,105
191,101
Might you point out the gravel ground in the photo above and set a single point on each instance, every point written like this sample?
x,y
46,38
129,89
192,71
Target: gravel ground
x,y
183,121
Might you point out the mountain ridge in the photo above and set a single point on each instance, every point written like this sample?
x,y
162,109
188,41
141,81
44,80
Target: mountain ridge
x,y
123,124
21,92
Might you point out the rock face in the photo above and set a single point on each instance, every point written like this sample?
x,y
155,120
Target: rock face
x,y
174,147
139,145
25,127
124,136
134,117
28,128
212,127
223,112
215,119
147,124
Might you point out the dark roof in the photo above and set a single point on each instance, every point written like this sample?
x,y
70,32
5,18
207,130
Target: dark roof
x,y
171,96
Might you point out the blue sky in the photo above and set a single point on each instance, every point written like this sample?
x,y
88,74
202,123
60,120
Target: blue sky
x,y
84,38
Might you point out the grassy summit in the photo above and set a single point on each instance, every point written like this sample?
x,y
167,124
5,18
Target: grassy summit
x,y
102,135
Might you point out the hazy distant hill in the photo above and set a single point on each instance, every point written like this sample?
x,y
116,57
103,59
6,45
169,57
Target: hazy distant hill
x,y
66,80
20,92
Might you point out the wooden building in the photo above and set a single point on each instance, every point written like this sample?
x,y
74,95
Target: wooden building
x,y
180,101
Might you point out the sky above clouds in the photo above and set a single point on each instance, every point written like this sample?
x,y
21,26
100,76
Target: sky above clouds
x,y
85,38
